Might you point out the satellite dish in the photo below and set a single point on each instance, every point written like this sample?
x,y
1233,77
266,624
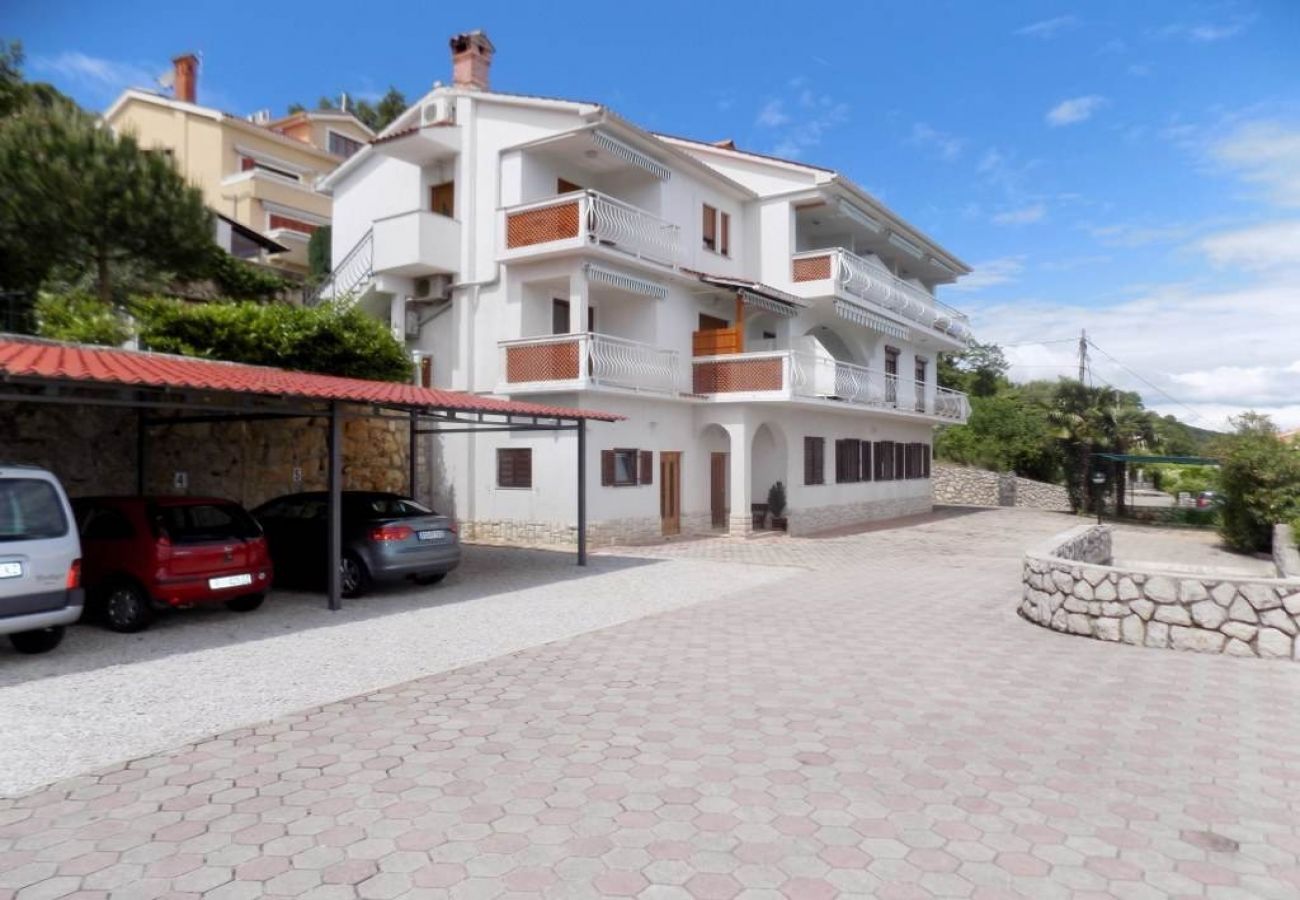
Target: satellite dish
x,y
167,79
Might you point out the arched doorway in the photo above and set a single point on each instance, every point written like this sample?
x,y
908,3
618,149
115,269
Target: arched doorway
x,y
767,462
716,444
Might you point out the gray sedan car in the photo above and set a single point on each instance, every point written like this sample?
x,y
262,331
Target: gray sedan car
x,y
386,537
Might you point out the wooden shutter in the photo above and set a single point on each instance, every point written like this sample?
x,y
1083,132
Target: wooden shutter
x,y
865,456
607,467
514,467
710,227
505,469
442,199
647,467
927,452
814,460
724,243
900,455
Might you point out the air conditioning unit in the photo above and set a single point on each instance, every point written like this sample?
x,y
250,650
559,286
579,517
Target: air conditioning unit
x,y
261,117
439,109
434,287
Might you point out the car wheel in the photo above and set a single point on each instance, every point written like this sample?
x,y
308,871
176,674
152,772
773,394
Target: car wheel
x,y
245,604
42,640
127,609
433,578
354,580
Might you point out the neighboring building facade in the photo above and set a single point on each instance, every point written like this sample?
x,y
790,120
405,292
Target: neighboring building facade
x,y
756,320
259,172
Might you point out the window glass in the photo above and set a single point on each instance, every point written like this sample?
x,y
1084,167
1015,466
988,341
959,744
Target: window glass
x,y
341,145
106,524
625,466
191,524
30,509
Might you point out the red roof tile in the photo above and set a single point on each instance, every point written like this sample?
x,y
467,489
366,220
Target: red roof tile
x,y
79,363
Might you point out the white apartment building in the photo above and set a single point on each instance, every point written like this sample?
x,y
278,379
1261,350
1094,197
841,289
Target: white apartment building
x,y
754,319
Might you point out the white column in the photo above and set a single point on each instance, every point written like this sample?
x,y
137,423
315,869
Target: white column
x,y
579,301
741,492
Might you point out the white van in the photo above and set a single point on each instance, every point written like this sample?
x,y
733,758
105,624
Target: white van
x,y
40,559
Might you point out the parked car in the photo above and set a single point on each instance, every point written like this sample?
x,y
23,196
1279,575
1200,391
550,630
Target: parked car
x,y
40,560
386,537
142,555
1207,499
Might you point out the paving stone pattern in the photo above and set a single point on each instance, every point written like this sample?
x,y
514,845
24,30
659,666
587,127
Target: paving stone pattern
x,y
881,724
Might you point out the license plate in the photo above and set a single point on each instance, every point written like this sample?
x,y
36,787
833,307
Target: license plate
x,y
230,581
11,570
434,535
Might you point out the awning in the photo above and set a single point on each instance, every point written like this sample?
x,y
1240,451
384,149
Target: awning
x,y
624,281
628,154
859,316
758,295
250,234
1141,459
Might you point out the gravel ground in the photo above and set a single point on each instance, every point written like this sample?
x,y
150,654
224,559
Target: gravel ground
x,y
103,697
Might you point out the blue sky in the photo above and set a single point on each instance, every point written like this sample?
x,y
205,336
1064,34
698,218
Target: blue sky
x,y
1131,168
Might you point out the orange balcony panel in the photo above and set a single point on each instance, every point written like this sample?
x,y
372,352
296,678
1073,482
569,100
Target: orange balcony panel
x,y
542,362
716,342
539,226
812,268
737,375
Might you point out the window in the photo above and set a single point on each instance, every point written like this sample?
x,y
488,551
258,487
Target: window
x,y
442,199
900,461
848,460
200,522
891,361
625,468
342,145
514,467
921,368
724,235
926,452
274,221
884,469
710,228
106,524
814,460
559,316
30,509
713,323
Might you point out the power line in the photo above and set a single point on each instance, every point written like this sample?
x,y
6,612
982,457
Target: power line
x,y
1159,390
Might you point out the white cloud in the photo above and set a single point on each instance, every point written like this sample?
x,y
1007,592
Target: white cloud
x,y
1049,28
1024,215
1273,245
1074,110
990,273
1140,70
947,146
1129,234
100,77
1206,32
1265,153
773,114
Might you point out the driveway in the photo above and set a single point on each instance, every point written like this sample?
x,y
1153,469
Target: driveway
x,y
873,721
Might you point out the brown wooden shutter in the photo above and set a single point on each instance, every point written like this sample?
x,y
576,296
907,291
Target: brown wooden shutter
x,y
710,227
865,457
926,456
814,460
607,467
505,468
523,468
899,457
647,467
724,244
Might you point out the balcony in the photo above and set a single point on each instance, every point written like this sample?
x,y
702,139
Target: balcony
x,y
588,218
839,271
569,362
416,244
787,375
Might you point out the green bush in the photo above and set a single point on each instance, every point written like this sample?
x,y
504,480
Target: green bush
x,y
1295,531
82,318
236,278
1260,483
325,338
776,500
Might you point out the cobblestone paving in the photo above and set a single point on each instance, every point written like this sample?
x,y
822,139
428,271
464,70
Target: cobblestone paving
x,y
878,725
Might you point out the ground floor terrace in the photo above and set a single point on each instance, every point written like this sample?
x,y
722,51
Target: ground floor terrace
x,y
861,714
676,467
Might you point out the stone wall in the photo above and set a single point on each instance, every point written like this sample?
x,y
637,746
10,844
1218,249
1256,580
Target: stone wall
x,y
1070,586
824,518
93,451
968,486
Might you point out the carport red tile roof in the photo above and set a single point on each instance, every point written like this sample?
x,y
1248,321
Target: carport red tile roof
x,y
23,358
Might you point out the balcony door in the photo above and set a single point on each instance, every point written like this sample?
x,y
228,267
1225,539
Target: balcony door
x,y
560,320
670,491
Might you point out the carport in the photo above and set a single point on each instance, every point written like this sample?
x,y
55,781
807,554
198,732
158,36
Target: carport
x,y
176,390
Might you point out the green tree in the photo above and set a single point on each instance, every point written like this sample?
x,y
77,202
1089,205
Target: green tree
x,y
1006,432
375,116
1259,478
74,194
81,318
319,263
979,370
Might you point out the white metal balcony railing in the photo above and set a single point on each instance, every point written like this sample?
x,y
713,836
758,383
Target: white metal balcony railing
x,y
598,219
873,282
590,359
355,269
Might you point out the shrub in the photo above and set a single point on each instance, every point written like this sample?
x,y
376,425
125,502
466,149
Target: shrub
x,y
326,339
776,500
1295,531
82,318
236,278
1260,483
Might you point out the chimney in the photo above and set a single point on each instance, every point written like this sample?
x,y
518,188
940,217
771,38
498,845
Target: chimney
x,y
471,58
185,77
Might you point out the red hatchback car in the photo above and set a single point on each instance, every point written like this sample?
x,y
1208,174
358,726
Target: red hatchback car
x,y
145,554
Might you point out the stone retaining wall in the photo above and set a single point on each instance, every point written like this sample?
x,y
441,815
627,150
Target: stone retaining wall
x,y
968,486
1070,586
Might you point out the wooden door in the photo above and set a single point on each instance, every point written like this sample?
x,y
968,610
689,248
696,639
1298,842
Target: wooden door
x,y
670,491
442,199
718,489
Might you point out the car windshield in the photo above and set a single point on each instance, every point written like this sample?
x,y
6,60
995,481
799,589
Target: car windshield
x,y
388,506
198,522
30,510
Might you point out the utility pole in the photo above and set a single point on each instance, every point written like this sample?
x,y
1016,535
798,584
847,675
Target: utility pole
x,y
1083,354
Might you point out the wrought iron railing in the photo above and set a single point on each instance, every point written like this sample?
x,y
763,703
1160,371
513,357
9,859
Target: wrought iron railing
x,y
351,274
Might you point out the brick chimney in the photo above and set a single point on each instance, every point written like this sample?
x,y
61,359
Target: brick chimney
x,y
471,58
185,77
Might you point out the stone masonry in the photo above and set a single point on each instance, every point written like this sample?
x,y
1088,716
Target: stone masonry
x,y
1070,586
968,486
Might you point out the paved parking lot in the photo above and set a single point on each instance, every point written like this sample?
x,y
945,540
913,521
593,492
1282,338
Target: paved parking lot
x,y
874,722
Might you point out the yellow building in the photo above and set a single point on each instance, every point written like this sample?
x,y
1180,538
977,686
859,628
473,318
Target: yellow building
x,y
259,172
